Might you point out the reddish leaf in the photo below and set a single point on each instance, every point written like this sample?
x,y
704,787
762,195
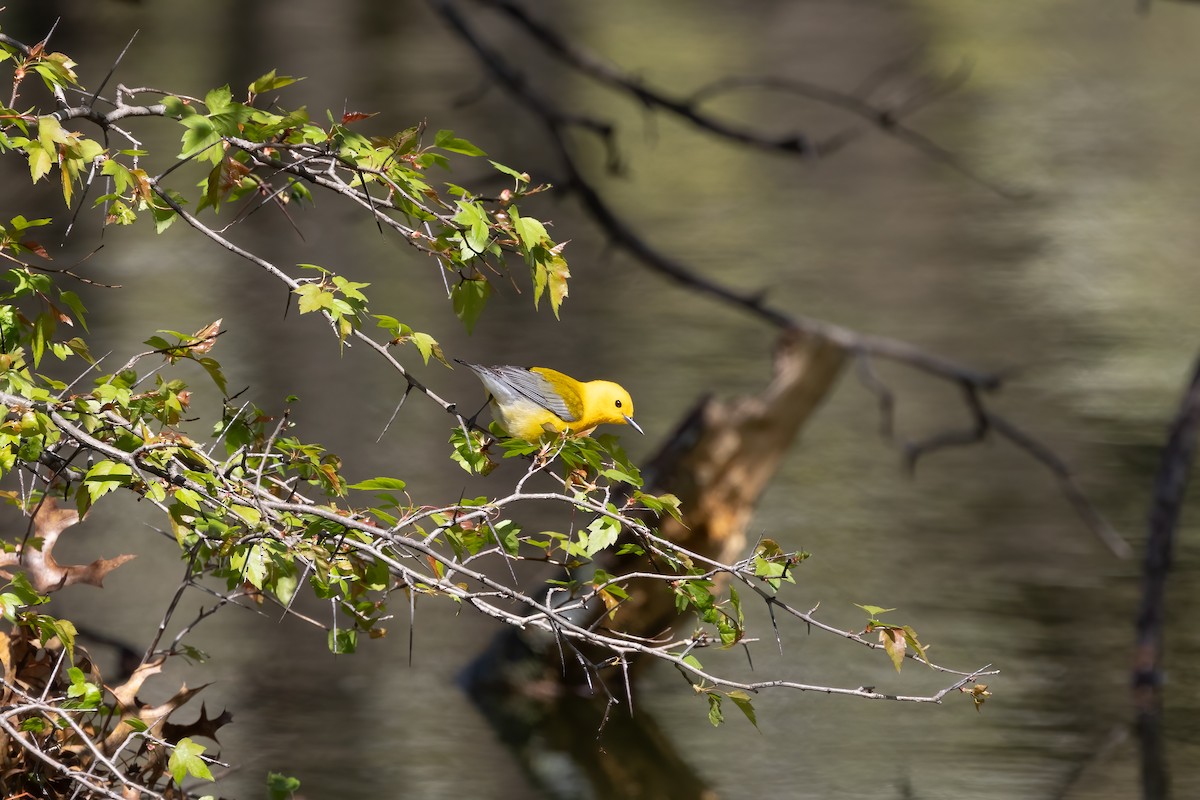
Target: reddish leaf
x,y
355,116
36,248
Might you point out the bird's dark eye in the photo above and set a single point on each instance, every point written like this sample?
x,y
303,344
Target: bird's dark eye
x,y
618,404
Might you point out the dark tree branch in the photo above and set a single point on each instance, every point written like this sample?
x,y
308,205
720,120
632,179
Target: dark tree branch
x,y
1170,485
623,236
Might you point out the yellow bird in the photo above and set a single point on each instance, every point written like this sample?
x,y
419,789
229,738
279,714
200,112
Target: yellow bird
x,y
528,402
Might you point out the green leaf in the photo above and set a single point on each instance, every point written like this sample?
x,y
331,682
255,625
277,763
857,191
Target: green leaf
x,y
213,368
285,588
736,602
72,301
476,231
185,760
40,160
105,477
82,692
601,533
551,274
427,346
874,611
522,177
51,133
385,484
218,100
469,452
24,591
469,298
343,641
64,629
271,81
252,564
742,701
281,787
508,532
177,108
446,140
714,709
188,497
910,636
530,231
35,725
314,297
200,140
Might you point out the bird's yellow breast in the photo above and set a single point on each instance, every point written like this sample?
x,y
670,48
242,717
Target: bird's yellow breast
x,y
526,419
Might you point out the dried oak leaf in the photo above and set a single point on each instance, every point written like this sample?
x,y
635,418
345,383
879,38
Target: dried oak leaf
x,y
201,727
45,573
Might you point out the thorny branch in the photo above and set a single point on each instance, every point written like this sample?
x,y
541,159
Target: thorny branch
x,y
419,561
409,558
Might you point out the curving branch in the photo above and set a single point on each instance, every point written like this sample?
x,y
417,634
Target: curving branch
x,y
622,235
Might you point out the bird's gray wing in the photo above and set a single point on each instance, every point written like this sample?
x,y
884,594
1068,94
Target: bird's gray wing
x,y
525,383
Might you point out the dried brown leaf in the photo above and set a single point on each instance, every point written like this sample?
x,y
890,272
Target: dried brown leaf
x,y
204,726
206,337
45,573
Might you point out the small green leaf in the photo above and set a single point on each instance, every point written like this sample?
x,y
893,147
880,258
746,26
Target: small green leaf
x,y
35,725
469,298
446,140
314,297
714,709
177,108
601,533
385,484
910,636
530,231
24,591
200,139
874,611
188,498
105,477
252,563
522,177
428,346
742,701
218,100
281,787
64,629
185,760
271,81
343,641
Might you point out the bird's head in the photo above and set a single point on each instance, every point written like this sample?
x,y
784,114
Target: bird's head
x,y
612,404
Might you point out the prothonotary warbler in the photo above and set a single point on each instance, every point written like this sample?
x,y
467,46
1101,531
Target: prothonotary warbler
x,y
528,402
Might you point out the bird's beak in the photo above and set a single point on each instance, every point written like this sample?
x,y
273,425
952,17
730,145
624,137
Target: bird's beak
x,y
633,424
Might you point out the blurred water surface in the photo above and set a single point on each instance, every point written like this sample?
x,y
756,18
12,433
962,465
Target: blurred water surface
x,y
1084,287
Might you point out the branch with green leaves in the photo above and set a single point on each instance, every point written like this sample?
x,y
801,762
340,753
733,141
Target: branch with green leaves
x,y
259,514
244,519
